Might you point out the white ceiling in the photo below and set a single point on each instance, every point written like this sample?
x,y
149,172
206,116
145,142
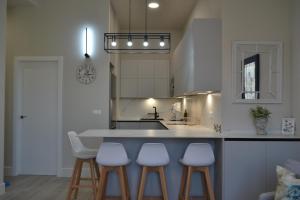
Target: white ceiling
x,y
172,14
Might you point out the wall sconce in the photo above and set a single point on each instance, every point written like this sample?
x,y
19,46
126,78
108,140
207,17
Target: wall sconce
x,y
86,44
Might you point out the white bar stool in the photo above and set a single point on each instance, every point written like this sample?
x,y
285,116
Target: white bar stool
x,y
153,157
110,157
197,158
82,155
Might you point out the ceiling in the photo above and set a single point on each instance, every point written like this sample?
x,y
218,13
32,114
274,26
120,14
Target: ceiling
x,y
172,14
15,3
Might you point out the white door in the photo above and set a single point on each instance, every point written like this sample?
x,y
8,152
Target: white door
x,y
39,132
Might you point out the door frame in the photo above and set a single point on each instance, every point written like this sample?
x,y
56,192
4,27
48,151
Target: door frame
x,y
17,109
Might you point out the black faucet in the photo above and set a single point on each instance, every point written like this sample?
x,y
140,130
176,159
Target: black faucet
x,y
156,114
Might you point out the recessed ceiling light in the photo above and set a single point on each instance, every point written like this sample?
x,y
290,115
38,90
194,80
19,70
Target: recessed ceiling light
x,y
153,4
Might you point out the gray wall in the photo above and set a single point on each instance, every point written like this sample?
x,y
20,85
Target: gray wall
x,y
2,86
296,58
254,20
55,28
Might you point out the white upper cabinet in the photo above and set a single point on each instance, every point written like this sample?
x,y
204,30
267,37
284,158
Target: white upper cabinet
x,y
145,79
197,59
130,69
161,69
146,69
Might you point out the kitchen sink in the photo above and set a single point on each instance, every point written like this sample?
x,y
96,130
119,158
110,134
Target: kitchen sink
x,y
152,119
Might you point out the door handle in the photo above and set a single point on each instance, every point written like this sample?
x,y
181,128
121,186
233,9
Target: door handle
x,y
23,116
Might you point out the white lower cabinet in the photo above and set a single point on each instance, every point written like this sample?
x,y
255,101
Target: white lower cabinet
x,y
250,166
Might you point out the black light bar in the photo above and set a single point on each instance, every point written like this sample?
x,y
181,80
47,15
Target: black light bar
x,y
157,42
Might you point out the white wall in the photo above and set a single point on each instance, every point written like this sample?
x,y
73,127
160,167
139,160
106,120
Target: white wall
x,y
206,9
296,59
2,87
254,20
55,28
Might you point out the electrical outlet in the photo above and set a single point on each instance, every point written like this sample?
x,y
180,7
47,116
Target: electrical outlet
x,y
97,112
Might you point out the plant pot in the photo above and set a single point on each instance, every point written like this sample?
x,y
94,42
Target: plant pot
x,y
261,125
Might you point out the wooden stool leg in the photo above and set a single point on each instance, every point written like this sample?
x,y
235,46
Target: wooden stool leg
x,y
73,178
209,184
122,183
126,182
92,171
102,184
204,186
78,176
142,183
96,168
183,183
163,182
188,183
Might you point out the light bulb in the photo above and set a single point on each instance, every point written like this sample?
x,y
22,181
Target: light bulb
x,y
162,43
113,43
146,43
153,5
129,43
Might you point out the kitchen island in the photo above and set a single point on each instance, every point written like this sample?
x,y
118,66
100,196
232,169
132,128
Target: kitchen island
x,y
245,163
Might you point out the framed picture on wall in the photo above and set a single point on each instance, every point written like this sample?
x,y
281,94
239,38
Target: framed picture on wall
x,y
288,126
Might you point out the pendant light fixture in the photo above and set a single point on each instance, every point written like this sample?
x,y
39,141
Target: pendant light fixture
x,y
129,42
137,42
146,43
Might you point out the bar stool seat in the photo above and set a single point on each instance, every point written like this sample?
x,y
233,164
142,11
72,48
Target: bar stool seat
x,y
112,154
153,157
112,157
198,154
197,158
153,154
82,155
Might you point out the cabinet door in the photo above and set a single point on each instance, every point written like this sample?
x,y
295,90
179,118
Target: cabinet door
x,y
245,170
146,69
146,87
129,69
278,153
129,87
162,87
161,69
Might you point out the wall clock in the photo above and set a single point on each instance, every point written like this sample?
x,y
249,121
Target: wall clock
x,y
86,73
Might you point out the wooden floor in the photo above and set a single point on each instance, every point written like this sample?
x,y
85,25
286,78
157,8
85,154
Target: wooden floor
x,y
40,188
45,188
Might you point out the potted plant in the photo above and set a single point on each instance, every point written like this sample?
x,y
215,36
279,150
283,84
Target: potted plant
x,y
260,116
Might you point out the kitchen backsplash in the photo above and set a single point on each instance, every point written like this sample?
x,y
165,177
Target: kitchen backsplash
x,y
134,109
202,109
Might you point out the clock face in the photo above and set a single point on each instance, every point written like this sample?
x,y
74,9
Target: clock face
x,y
86,73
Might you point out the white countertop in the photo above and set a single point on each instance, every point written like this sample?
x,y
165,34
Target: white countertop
x,y
125,133
177,130
178,133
